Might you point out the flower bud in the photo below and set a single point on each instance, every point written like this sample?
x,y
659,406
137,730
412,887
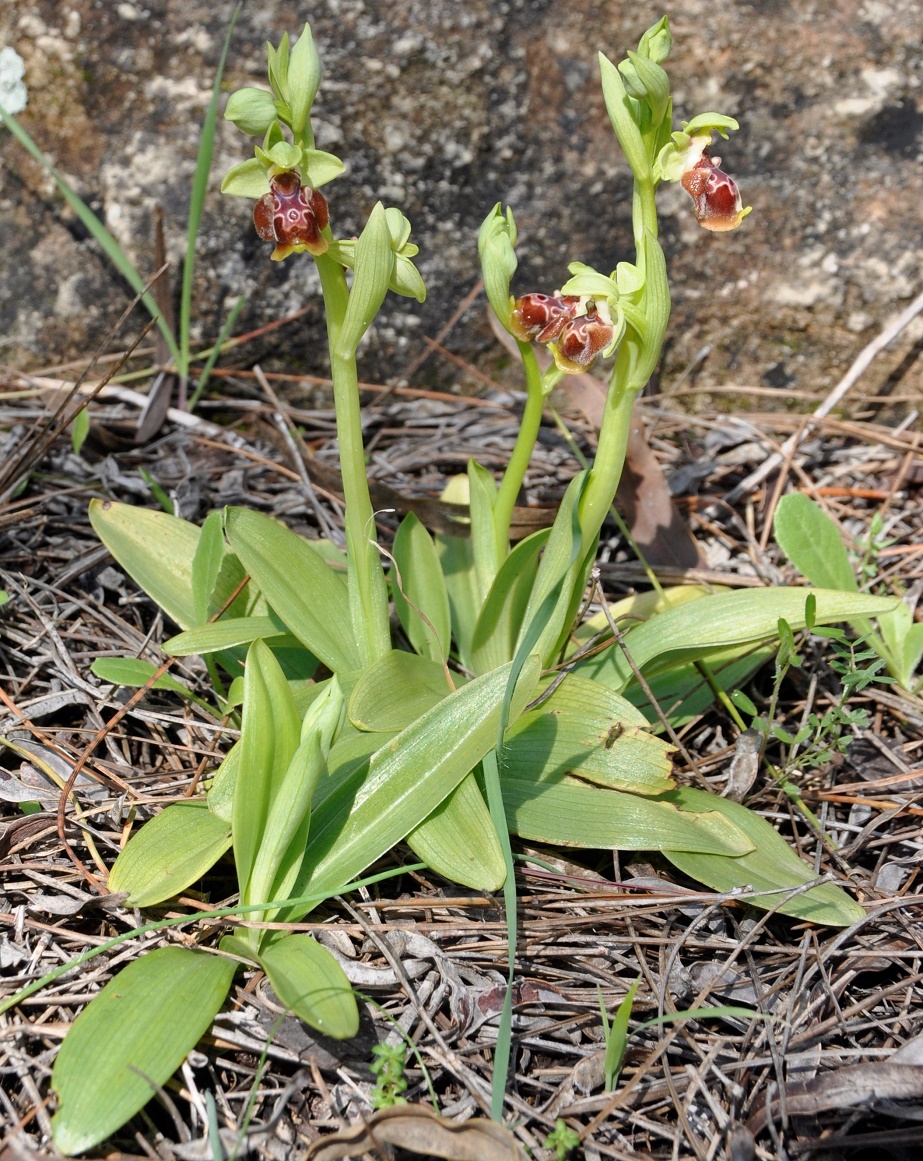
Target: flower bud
x,y
541,317
291,215
714,194
581,340
251,110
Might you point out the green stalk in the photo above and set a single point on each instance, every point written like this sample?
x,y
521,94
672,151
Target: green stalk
x,y
368,592
511,484
620,399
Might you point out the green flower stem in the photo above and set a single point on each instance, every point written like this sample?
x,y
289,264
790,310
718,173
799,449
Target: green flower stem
x,y
511,483
368,592
610,452
620,399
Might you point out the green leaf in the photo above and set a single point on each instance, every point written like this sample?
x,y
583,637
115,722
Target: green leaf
x,y
227,633
206,565
305,592
572,813
156,550
585,729
459,840
131,1039
285,836
270,734
419,588
698,629
813,543
498,625
482,490
457,560
378,805
903,638
771,865
221,792
395,690
135,673
563,571
617,1037
169,853
80,429
310,983
683,693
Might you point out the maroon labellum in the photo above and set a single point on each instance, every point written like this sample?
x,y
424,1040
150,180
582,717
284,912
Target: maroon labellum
x,y
581,341
541,317
714,194
291,215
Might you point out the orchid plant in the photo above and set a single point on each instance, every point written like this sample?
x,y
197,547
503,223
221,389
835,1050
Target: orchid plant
x,y
478,711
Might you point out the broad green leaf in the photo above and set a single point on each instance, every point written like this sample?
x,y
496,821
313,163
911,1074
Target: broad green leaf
x,y
629,611
500,620
572,813
813,543
696,630
310,983
395,690
772,865
683,693
221,792
406,780
420,589
457,561
156,550
903,640
170,853
206,564
285,836
225,634
562,572
135,673
585,729
270,734
305,592
459,840
482,489
130,1040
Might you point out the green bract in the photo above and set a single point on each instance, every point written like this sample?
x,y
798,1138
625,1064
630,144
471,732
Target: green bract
x,y
496,249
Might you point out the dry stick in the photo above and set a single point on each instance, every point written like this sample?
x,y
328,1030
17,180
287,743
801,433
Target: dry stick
x,y
866,355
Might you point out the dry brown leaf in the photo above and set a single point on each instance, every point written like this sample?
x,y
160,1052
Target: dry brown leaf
x,y
418,1129
856,1085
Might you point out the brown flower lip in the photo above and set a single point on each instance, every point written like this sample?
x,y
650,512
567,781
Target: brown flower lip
x,y
581,341
714,194
540,318
292,215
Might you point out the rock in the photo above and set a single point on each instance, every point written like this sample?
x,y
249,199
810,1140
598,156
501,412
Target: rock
x,y
443,109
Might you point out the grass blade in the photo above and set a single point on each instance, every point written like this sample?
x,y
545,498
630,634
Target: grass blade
x,y
197,202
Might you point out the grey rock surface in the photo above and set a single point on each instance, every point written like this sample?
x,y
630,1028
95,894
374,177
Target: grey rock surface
x,y
443,108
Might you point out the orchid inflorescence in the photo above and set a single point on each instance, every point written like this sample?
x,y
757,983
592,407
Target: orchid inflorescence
x,y
589,315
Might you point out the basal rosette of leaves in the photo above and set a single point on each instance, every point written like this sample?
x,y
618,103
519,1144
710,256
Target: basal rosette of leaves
x,y
426,705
